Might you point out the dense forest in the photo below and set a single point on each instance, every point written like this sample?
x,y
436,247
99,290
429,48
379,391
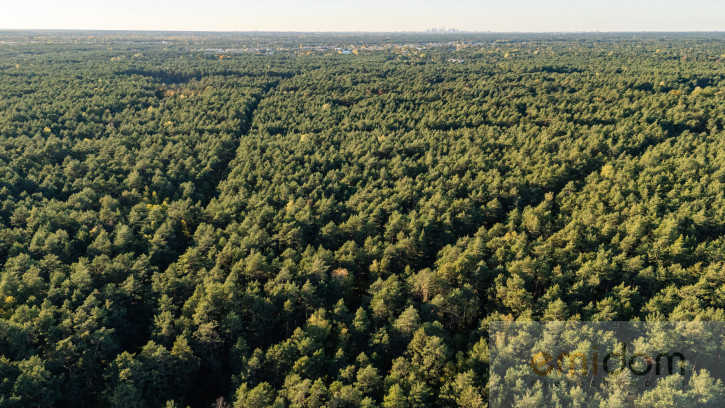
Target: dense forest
x,y
304,221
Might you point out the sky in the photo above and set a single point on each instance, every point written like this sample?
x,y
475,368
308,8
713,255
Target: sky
x,y
369,15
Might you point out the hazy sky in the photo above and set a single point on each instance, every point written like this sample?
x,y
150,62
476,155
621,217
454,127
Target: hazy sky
x,y
371,15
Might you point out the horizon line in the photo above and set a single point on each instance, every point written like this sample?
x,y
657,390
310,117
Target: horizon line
x,y
426,31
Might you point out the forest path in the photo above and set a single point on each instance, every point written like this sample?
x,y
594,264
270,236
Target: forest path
x,y
247,120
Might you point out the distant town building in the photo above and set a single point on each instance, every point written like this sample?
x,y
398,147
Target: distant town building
x,y
443,30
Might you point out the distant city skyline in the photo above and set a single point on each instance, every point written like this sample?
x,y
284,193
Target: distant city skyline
x,y
373,15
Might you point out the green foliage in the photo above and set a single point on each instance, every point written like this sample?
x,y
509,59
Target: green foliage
x,y
306,228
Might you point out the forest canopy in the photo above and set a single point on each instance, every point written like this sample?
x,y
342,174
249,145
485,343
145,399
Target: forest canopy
x,y
298,220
